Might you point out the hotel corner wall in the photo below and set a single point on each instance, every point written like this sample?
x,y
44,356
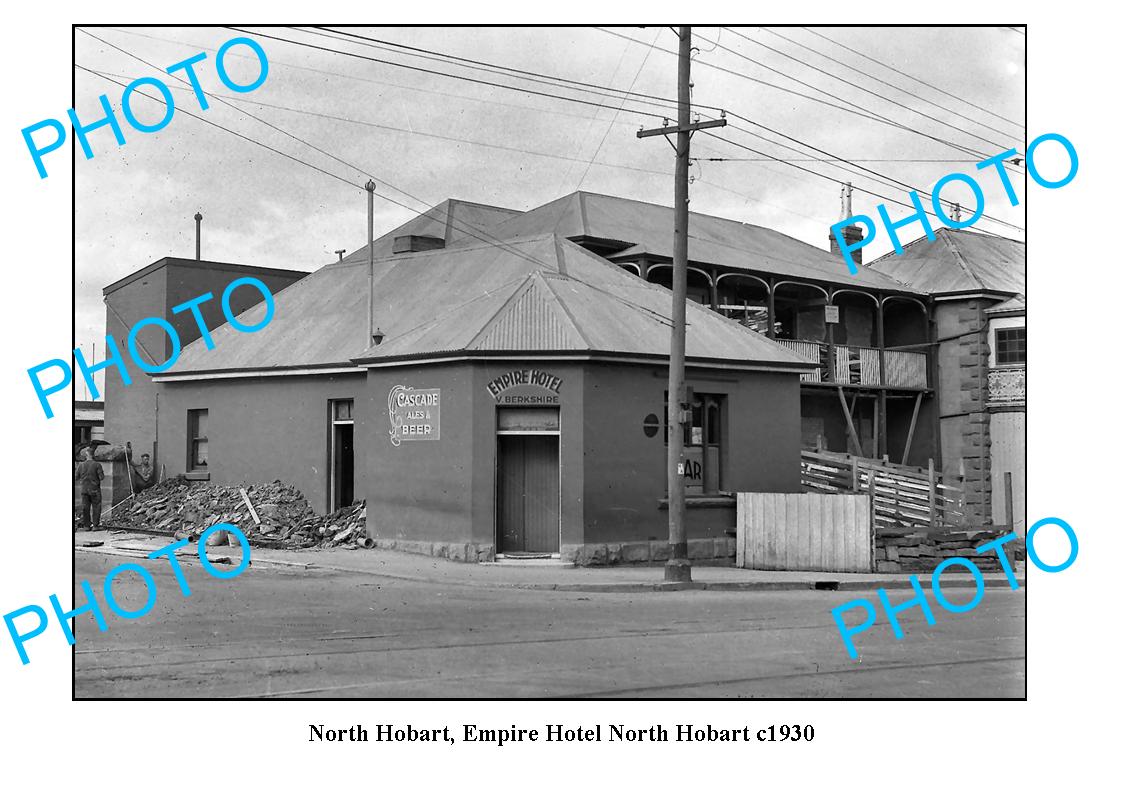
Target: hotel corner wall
x,y
438,496
625,470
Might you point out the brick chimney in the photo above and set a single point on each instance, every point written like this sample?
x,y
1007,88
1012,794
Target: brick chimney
x,y
851,234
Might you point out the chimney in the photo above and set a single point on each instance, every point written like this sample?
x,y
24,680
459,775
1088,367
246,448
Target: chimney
x,y
198,236
852,233
417,243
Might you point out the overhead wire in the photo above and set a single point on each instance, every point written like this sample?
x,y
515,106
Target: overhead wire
x,y
894,86
651,47
465,228
911,77
539,76
872,115
447,74
861,88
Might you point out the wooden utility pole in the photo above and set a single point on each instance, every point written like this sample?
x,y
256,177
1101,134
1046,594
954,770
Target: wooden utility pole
x,y
370,264
678,410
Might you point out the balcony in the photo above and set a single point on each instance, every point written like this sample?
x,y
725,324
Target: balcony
x,y
860,366
1006,387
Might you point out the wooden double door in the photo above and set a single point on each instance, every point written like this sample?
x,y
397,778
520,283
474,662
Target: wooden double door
x,y
529,490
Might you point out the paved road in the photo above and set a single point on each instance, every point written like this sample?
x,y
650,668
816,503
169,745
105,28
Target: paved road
x,y
280,632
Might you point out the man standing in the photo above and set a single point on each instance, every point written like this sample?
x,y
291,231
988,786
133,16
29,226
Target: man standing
x,y
89,475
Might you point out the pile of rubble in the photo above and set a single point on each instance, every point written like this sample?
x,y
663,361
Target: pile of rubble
x,y
270,515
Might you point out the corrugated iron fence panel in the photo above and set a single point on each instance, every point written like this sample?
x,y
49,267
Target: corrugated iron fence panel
x,y
808,532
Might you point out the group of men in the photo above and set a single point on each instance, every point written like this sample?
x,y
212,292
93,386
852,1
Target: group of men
x,y
89,474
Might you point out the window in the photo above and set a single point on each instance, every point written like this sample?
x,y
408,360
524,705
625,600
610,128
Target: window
x,y
197,453
702,443
1010,346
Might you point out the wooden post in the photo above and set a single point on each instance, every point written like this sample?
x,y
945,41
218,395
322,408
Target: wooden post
x,y
1008,484
932,491
912,428
850,422
873,524
881,421
771,308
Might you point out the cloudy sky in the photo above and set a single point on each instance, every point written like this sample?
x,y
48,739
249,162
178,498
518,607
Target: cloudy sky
x,y
426,136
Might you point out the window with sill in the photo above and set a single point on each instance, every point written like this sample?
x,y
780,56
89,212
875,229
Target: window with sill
x,y
702,443
197,441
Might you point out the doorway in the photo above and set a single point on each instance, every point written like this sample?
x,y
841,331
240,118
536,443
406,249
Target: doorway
x,y
342,454
528,513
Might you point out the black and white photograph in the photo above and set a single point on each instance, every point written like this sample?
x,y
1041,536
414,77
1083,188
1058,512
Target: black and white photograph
x,y
404,307
480,390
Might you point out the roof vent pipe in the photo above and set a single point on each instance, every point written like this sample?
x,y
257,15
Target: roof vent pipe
x,y
198,236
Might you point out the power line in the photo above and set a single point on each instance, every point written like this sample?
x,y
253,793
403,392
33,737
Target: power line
x,y
910,77
875,114
834,180
859,87
427,53
446,74
651,46
357,78
847,160
227,129
884,179
467,229
887,83
616,115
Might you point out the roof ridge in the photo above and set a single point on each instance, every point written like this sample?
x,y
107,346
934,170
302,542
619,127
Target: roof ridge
x,y
561,304
949,242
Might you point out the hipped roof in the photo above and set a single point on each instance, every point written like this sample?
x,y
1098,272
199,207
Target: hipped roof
x,y
642,228
453,221
958,261
541,294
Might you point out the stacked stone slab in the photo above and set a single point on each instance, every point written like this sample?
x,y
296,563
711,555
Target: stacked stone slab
x,y
923,549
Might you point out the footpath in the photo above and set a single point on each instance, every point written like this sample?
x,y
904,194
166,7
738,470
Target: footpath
x,y
550,575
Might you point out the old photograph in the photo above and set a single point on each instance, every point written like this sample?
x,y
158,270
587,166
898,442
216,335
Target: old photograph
x,y
629,363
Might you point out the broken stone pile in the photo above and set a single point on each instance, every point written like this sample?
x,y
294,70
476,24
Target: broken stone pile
x,y
179,506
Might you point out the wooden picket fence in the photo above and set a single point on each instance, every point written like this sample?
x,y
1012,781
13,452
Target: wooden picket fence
x,y
902,496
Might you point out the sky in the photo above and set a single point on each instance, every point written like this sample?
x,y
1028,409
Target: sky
x,y
425,137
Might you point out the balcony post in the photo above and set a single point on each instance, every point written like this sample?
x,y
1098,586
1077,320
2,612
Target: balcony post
x,y
831,375
882,405
771,308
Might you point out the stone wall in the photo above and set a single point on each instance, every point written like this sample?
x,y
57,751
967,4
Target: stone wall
x,y
964,420
718,551
468,552
923,549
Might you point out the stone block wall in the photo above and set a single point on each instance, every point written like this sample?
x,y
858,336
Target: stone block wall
x,y
964,420
717,551
923,549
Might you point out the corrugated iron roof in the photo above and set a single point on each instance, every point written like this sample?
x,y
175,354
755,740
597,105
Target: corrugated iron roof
x,y
649,229
958,261
453,220
538,294
1012,306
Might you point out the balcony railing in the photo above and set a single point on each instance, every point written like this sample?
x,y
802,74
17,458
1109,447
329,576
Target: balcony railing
x,y
1006,387
861,365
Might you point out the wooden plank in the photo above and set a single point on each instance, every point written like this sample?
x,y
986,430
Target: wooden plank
x,y
246,500
739,550
932,491
850,422
912,429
